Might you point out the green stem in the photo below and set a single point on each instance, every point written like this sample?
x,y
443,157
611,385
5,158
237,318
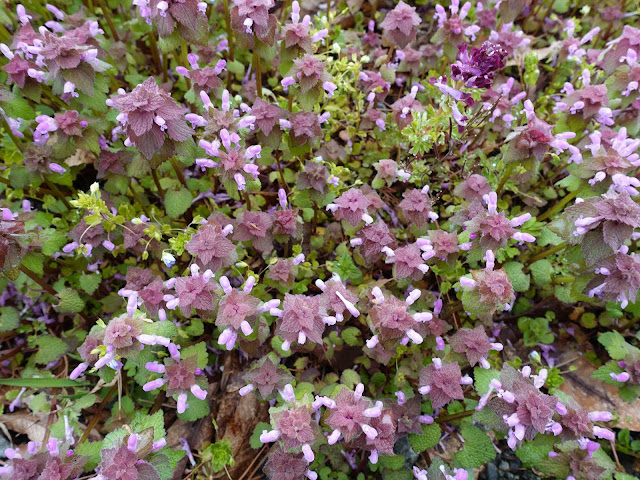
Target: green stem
x,y
157,62
258,69
105,12
455,416
38,280
227,18
558,206
58,193
184,52
14,139
505,177
547,252
178,170
565,279
157,182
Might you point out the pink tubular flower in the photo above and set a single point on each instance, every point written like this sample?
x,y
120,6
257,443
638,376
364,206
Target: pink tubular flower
x,y
441,382
237,311
492,287
347,418
491,229
353,206
301,318
391,320
180,376
150,117
399,25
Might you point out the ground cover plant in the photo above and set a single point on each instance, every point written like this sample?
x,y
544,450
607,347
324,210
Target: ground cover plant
x,y
255,239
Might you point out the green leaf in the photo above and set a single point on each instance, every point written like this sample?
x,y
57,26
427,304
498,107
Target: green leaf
x,y
483,378
9,319
392,462
254,441
199,349
195,329
219,455
429,438
143,421
534,452
350,378
542,271
196,410
41,382
478,448
91,450
52,241
34,261
90,283
615,344
70,301
162,329
49,349
519,279
177,202
347,269
350,336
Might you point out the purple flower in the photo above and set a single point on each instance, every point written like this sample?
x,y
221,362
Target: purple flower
x,y
122,463
213,249
305,127
286,466
399,25
415,207
477,68
337,298
267,115
441,382
301,318
256,228
314,175
407,262
295,426
197,291
352,206
266,375
184,15
238,311
404,108
613,214
491,229
391,319
474,344
372,240
347,417
147,114
618,278
252,16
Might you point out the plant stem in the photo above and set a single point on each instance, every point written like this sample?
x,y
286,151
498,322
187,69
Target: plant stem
x,y
14,139
155,54
38,280
107,17
184,52
58,193
455,416
258,69
227,18
546,253
558,206
96,416
178,170
157,182
505,177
